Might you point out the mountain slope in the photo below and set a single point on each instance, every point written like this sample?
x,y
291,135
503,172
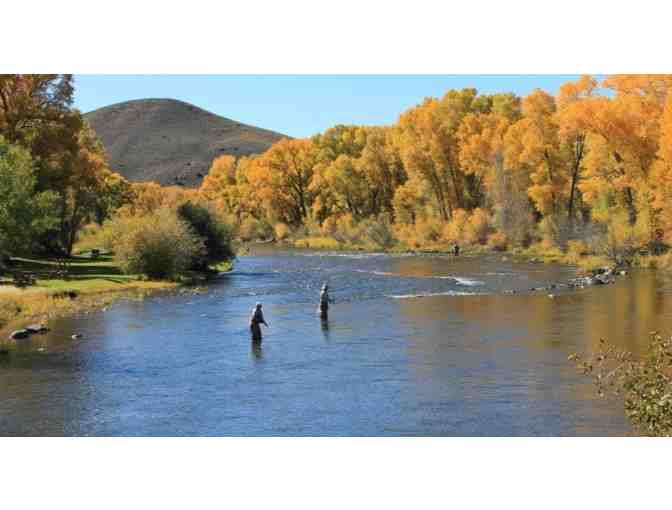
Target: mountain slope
x,y
171,142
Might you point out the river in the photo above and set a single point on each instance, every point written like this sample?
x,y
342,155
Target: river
x,y
414,345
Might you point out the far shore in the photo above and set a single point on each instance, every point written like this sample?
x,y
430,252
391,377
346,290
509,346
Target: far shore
x,y
584,262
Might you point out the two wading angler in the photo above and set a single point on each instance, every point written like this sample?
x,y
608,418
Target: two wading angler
x,y
257,317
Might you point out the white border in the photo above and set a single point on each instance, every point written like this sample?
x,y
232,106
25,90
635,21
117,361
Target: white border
x,y
343,37
338,474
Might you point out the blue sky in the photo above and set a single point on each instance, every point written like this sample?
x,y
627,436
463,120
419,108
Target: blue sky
x,y
299,106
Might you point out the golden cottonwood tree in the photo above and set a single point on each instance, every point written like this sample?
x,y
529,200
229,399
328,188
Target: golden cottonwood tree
x,y
281,180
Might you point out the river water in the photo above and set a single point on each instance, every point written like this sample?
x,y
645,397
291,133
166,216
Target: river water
x,y
414,345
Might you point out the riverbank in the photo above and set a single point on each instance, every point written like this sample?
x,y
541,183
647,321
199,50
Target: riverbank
x,y
537,253
87,284
576,254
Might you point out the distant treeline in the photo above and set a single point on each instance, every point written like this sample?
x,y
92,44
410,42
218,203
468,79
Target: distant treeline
x,y
592,165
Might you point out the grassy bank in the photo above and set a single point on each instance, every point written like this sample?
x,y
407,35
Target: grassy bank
x,y
90,283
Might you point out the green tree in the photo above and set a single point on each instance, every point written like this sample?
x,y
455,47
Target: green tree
x,y
208,226
24,213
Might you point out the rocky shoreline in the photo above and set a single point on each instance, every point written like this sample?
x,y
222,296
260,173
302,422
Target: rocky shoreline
x,y
601,276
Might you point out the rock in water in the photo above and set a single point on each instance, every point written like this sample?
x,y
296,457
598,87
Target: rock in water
x,y
19,334
37,328
76,336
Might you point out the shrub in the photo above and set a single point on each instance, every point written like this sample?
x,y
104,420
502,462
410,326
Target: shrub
x,y
253,229
282,231
209,227
452,231
347,230
477,227
552,231
465,228
622,240
159,245
644,383
379,233
407,235
330,226
577,248
497,241
318,243
427,231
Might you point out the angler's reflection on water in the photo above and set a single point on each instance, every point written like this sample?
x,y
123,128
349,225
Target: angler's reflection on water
x,y
257,353
324,323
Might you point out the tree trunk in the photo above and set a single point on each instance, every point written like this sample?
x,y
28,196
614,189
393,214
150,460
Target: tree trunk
x,y
575,177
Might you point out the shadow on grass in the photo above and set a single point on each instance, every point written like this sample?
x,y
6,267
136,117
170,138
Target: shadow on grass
x,y
79,269
76,266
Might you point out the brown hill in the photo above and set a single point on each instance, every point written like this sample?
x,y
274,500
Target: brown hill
x,y
171,142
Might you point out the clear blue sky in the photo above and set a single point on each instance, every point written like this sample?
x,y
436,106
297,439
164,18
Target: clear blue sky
x,y
298,106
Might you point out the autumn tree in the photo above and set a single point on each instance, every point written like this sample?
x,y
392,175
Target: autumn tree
x,y
87,190
281,180
381,164
425,148
220,185
573,128
482,155
661,174
36,113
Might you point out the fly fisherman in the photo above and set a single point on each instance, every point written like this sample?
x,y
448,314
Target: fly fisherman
x,y
324,302
255,323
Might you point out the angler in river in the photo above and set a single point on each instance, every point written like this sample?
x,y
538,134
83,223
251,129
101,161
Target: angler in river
x,y
324,302
256,320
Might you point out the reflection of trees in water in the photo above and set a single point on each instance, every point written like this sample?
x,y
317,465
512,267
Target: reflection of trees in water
x,y
524,339
625,313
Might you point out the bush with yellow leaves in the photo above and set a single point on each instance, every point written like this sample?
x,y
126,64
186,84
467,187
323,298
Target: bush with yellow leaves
x,y
282,231
497,241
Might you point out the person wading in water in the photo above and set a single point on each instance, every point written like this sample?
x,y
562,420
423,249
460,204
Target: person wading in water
x,y
324,302
256,321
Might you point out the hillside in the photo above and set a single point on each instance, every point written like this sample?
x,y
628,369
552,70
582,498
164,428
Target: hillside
x,y
170,141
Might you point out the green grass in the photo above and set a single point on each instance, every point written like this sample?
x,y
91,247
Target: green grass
x,y
83,274
95,282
